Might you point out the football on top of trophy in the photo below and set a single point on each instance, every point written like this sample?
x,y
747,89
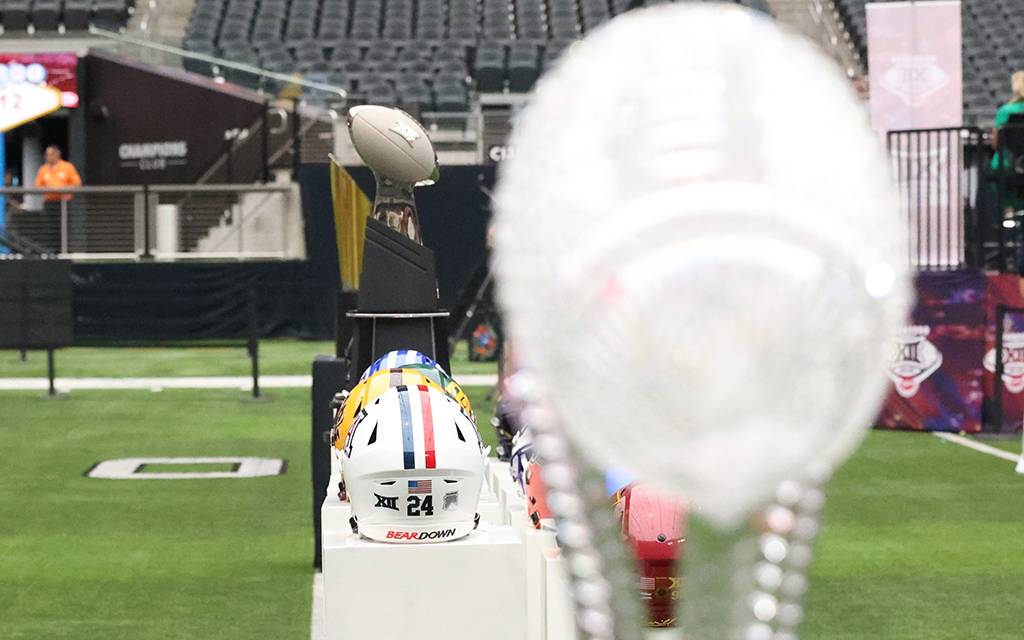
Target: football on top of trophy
x,y
392,143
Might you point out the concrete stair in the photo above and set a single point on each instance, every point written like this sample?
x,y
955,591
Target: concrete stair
x,y
819,21
161,20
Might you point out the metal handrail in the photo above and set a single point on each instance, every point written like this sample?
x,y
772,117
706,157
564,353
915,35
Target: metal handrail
x,y
221,188
17,191
145,198
220,62
155,188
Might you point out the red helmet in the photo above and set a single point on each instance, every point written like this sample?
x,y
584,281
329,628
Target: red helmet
x,y
654,525
536,495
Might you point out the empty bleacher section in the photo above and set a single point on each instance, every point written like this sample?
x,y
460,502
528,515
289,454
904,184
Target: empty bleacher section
x,y
63,15
992,49
424,55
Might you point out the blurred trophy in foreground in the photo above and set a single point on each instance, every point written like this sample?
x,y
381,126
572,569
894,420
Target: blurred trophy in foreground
x,y
700,261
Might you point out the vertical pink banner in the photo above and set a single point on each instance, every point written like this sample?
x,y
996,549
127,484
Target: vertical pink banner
x,y
914,58
917,83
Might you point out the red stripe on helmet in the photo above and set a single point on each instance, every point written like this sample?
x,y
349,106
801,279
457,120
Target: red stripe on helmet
x,y
428,426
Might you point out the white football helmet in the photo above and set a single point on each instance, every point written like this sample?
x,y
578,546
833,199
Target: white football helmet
x,y
413,467
521,458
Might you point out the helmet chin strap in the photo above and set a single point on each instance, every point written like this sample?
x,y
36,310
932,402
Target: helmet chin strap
x,y
395,206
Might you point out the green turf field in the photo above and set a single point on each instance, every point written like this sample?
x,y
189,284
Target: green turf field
x,y
83,559
277,357
922,539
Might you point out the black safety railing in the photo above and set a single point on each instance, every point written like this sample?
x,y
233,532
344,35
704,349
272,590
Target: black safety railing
x,y
163,222
937,173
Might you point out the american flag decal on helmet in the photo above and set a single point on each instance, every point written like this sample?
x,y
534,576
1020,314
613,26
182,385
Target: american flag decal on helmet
x,y
420,486
646,588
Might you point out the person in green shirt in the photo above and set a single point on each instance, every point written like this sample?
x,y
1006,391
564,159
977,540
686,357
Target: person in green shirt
x,y
1015,105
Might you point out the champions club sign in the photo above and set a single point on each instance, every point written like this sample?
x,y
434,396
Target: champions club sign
x,y
152,125
147,156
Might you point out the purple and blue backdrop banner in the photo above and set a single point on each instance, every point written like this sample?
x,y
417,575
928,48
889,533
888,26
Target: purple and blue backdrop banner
x,y
1005,289
936,363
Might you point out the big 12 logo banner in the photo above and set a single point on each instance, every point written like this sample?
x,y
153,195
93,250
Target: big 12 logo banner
x,y
1013,361
914,360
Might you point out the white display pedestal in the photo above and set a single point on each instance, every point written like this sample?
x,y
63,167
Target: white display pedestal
x,y
559,614
506,582
467,589
495,469
537,542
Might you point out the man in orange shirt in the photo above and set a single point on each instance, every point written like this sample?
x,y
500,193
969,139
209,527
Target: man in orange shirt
x,y
58,174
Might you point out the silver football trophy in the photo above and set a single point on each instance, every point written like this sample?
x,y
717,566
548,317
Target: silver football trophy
x,y
394,145
699,259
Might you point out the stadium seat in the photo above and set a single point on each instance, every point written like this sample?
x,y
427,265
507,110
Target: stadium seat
x,y
76,14
334,11
300,29
415,96
387,69
452,67
15,14
274,52
398,30
364,28
523,66
344,51
199,66
450,97
381,50
110,14
490,66
381,93
450,51
46,14
266,37
331,29
433,30
352,68
300,8
414,51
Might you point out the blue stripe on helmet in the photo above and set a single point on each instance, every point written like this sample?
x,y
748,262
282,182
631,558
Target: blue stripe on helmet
x,y
407,442
397,360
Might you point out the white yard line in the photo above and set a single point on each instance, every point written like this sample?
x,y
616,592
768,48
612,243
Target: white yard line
x,y
977,446
477,379
243,383
316,625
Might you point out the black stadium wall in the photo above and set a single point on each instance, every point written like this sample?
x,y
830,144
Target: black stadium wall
x,y
454,216
168,129
199,301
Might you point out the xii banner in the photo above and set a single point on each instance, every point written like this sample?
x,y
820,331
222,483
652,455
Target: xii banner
x,y
936,361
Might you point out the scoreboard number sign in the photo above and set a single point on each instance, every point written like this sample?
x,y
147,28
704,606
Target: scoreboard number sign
x,y
22,102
